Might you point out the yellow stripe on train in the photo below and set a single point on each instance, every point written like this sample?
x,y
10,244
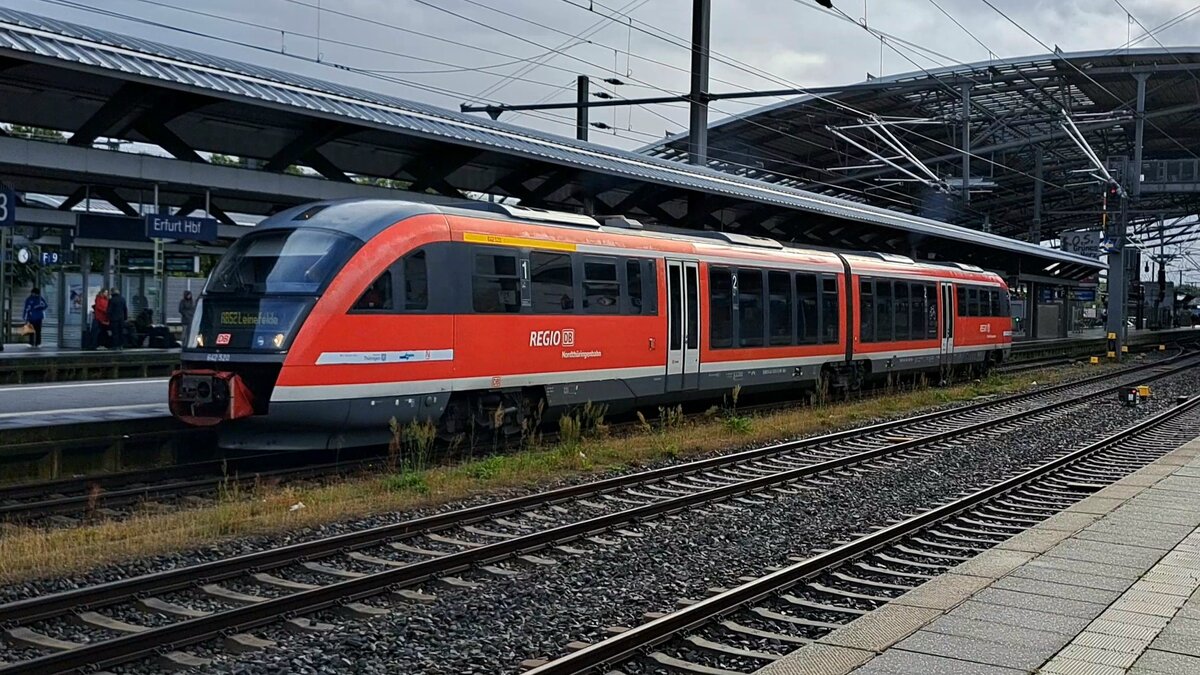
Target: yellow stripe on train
x,y
497,240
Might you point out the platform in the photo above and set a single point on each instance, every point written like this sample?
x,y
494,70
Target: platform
x,y
1107,587
20,363
40,405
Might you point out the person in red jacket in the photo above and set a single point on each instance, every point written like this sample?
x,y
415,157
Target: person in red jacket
x,y
100,319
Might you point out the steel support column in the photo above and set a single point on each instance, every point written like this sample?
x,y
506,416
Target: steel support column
x,y
1118,283
581,113
966,143
698,95
1035,229
1139,130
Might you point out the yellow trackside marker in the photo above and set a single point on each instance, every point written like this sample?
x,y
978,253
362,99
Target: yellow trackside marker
x,y
497,240
1162,348
1112,336
1144,390
1094,360
1124,349
1112,355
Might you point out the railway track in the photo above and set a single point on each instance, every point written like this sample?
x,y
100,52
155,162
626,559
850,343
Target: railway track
x,y
163,612
69,501
738,630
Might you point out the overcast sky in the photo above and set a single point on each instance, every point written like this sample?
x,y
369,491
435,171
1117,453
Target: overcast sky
x,y
520,51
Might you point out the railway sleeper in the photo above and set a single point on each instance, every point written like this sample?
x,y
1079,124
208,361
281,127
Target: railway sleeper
x,y
721,648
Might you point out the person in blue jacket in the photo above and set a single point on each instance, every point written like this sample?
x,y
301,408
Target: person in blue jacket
x,y
35,313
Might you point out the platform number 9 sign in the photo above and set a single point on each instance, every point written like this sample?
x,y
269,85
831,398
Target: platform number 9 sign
x,y
7,203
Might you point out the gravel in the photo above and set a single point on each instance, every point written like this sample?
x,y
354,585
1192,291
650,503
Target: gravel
x,y
490,629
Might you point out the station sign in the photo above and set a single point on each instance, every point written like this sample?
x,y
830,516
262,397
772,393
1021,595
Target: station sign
x,y
1081,242
161,226
1083,294
189,263
52,258
8,207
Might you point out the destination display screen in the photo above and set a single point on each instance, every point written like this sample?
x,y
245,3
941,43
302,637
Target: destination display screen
x,y
259,324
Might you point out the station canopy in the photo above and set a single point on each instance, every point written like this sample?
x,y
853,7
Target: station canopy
x,y
898,143
97,86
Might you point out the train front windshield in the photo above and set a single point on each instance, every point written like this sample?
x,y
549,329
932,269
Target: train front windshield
x,y
264,286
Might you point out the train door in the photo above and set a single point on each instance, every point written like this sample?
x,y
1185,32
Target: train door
x,y
683,325
947,328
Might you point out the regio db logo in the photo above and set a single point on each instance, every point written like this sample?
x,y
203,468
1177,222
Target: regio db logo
x,y
563,337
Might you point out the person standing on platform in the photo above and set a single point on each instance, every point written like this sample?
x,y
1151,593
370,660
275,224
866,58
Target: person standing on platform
x,y
187,309
35,313
100,319
118,312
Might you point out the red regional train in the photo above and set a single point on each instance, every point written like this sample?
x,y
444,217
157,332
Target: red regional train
x,y
332,318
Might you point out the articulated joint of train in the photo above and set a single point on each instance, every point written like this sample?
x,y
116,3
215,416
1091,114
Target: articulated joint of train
x,y
208,397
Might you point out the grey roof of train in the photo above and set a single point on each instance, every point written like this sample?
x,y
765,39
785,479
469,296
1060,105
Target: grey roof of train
x,y
87,47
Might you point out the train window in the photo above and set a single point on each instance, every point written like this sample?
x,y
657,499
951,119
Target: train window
x,y
779,309
720,319
651,300
601,291
994,302
962,300
972,302
916,295
829,309
884,310
378,296
866,310
495,286
931,308
750,308
416,281
1005,306
552,282
674,293
903,317
693,308
633,280
806,300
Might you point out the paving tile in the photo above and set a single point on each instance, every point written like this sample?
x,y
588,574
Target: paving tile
x,y
1094,505
900,662
1170,587
1053,590
1157,661
1072,667
818,659
1069,577
1071,522
1021,617
1094,569
943,592
996,632
1119,491
1112,643
1181,636
994,564
1025,656
1102,657
1106,553
1034,540
1151,514
882,628
1142,634
1135,618
1041,603
1161,542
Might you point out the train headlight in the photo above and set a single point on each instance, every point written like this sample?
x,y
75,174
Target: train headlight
x,y
278,341
199,340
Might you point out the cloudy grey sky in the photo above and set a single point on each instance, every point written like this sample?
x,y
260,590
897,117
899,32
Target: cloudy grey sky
x,y
446,52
